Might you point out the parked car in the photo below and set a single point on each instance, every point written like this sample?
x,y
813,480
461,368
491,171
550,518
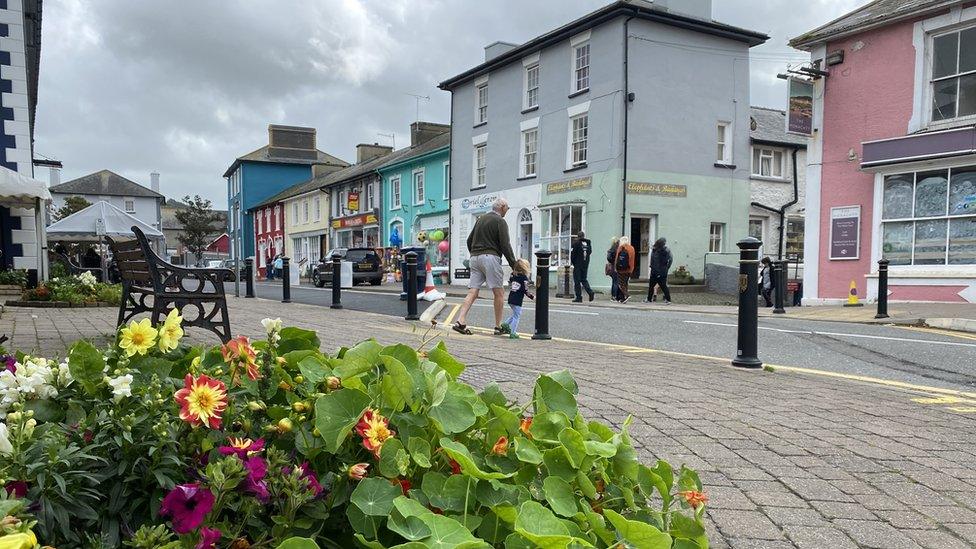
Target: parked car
x,y
366,266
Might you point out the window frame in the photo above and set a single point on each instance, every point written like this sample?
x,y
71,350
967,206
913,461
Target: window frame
x,y
396,193
547,237
527,95
419,191
370,197
317,208
756,170
574,140
479,166
305,216
524,171
724,142
125,205
581,74
277,217
294,214
481,103
930,81
712,239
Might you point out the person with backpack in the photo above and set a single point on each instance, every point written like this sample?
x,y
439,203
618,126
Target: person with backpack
x,y
661,259
610,271
766,282
579,257
623,263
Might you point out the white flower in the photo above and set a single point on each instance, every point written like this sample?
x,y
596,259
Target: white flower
x,y
272,327
64,375
87,279
121,386
5,447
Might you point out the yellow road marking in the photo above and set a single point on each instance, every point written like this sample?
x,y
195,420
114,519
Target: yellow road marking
x,y
939,331
450,317
969,410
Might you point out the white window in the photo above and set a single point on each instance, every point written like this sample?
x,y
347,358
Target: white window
x,y
767,162
581,67
277,215
480,166
318,209
724,150
530,148
578,132
342,203
305,211
294,213
531,86
267,219
559,226
954,75
929,218
482,102
418,188
757,228
130,205
715,233
395,200
370,197
447,180
259,227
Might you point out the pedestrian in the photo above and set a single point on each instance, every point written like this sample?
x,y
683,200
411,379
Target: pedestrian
x,y
610,271
487,243
766,281
518,285
579,257
278,266
269,268
624,264
660,265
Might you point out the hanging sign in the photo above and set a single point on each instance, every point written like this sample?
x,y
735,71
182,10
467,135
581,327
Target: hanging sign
x,y
799,119
845,232
352,201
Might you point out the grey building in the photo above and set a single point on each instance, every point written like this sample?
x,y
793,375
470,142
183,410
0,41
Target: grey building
x,y
143,203
632,120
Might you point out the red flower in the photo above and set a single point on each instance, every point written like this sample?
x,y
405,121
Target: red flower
x,y
375,430
242,447
501,446
455,467
405,485
358,471
208,538
202,400
694,498
187,505
525,425
16,488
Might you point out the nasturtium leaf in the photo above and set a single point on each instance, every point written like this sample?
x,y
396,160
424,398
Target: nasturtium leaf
x,y
447,533
564,378
374,496
601,449
436,384
638,535
448,363
625,461
469,521
689,528
294,358
362,523
298,543
337,413
547,426
86,364
558,464
602,432
518,541
688,479
459,453
536,519
419,451
408,524
492,395
572,442
449,493
367,544
649,482
507,418
526,451
550,396
297,339
406,355
456,413
560,496
315,369
492,496
586,486
493,529
684,543
598,525
368,350
393,459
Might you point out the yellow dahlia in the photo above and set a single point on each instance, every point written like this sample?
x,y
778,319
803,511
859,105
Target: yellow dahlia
x,y
375,430
202,400
171,332
138,337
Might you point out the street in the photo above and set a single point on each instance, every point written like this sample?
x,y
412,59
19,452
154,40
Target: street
x,y
890,353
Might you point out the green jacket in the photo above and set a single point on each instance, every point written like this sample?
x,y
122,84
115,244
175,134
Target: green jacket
x,y
490,236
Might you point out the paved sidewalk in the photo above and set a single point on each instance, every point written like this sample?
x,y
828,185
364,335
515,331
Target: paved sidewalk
x,y
790,459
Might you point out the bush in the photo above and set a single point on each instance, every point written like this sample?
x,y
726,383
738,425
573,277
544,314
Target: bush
x,y
262,442
77,289
13,277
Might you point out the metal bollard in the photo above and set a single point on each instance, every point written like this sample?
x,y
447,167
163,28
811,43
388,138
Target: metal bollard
x,y
882,289
411,258
249,273
542,295
748,333
336,282
779,290
285,280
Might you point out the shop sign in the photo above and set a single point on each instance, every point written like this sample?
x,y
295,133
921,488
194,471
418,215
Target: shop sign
x,y
799,119
354,221
845,232
578,184
480,203
352,201
657,189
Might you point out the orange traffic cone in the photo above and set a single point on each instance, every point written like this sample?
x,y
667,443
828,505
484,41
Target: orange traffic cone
x,y
429,285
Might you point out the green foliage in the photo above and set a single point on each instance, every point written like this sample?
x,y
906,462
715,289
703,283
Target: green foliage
x,y
72,204
13,277
76,289
200,224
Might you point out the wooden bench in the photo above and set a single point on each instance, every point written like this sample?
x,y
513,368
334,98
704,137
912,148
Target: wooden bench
x,y
71,267
153,285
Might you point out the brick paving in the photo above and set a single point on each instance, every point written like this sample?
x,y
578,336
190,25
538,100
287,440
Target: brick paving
x,y
789,460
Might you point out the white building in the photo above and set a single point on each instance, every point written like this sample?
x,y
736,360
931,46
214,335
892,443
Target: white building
x,y
145,204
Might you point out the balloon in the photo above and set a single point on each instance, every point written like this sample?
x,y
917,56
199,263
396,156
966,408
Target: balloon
x,y
437,235
444,246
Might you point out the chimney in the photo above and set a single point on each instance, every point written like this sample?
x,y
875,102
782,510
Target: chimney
x,y
154,181
291,142
495,49
366,152
699,9
54,176
422,132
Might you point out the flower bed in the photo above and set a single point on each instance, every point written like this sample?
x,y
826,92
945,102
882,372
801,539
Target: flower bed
x,y
82,290
271,443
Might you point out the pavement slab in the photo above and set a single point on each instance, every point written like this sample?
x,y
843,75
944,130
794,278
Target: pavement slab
x,y
791,458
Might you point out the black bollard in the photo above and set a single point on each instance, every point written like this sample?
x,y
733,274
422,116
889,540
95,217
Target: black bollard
x,y
779,287
249,273
748,333
336,282
882,289
411,258
285,280
542,295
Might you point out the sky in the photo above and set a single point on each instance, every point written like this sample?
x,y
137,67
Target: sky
x,y
184,88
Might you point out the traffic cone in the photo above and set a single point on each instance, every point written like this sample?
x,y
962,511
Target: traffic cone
x,y
852,300
430,292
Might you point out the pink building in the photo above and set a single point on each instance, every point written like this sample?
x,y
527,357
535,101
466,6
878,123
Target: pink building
x,y
892,162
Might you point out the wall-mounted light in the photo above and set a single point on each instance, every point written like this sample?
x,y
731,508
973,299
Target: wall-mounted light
x,y
835,58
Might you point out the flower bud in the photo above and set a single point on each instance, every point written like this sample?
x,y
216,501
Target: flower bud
x,y
285,425
358,471
299,379
299,406
316,432
333,383
284,386
256,406
281,361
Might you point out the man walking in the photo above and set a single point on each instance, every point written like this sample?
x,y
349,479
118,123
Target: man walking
x,y
487,243
661,259
624,265
579,257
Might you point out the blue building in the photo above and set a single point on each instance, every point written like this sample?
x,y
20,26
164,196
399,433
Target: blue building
x,y
416,193
290,157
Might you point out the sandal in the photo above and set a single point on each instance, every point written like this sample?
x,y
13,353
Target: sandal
x,y
461,328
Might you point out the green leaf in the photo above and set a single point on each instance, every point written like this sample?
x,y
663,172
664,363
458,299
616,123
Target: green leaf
x,y
601,449
508,419
447,533
688,480
685,527
560,496
419,451
585,485
493,529
360,359
572,441
459,453
436,384
496,494
297,339
456,413
564,378
398,385
394,460
551,396
147,366
600,430
526,451
449,493
45,411
337,413
649,481
558,464
404,354
298,543
448,363
86,365
374,496
405,519
368,526
625,461
493,396
314,369
547,426
536,519
639,535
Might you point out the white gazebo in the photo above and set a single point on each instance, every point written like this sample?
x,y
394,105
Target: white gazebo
x,y
20,191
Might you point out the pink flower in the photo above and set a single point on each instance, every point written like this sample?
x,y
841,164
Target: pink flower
x,y
242,447
208,538
187,505
256,469
10,363
310,479
16,488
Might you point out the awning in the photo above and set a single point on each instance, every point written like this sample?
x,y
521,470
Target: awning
x,y
20,190
99,219
919,147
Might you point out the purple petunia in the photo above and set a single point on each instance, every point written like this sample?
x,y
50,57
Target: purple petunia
x,y
257,469
208,538
9,363
187,505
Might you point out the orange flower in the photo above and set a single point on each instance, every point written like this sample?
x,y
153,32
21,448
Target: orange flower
x,y
694,498
375,430
404,484
238,353
501,446
525,425
358,471
202,400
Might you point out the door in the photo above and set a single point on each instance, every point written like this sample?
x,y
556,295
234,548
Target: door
x,y
643,233
525,235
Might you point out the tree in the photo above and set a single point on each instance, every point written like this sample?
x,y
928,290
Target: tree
x,y
200,225
72,204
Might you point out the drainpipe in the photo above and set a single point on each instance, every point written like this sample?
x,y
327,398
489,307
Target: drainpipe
x,y
782,209
627,100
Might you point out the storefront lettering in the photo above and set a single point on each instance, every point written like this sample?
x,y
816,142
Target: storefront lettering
x,y
657,189
577,184
354,221
481,202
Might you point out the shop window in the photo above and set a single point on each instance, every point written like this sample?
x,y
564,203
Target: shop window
x,y
794,238
560,224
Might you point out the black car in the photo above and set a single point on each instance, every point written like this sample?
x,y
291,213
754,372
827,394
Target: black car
x,y
366,266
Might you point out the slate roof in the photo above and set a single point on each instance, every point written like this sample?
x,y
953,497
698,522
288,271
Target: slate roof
x,y
872,14
262,155
106,183
771,128
638,8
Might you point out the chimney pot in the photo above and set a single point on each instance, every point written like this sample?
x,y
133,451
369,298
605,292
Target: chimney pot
x,y
154,181
422,132
366,152
54,176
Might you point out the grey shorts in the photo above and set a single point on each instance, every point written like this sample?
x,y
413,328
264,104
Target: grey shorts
x,y
486,268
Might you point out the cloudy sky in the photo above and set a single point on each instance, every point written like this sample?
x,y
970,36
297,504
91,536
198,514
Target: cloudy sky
x,y
185,87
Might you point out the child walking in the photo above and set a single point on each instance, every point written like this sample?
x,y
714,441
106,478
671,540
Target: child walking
x,y
519,289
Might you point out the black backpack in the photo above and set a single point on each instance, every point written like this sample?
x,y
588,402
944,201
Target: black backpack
x,y
623,260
